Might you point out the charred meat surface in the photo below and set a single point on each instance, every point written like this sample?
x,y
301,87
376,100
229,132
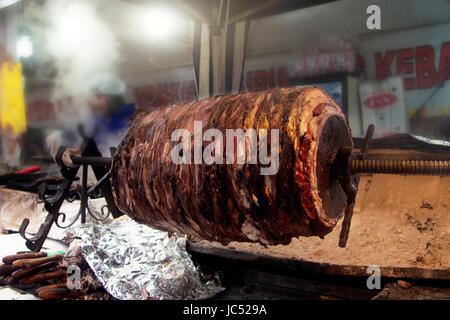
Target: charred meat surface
x,y
235,202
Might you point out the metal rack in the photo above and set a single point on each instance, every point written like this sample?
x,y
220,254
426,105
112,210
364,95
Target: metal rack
x,y
53,203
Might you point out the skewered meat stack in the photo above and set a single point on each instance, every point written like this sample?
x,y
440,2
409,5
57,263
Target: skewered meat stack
x,y
235,202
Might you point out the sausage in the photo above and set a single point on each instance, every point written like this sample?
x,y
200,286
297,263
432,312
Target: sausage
x,y
29,263
7,269
28,255
41,277
25,272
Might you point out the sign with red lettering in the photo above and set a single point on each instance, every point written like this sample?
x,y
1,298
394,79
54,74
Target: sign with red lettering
x,y
428,71
381,100
276,71
154,89
421,56
164,94
44,110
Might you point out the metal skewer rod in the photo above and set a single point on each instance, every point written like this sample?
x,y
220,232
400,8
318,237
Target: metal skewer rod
x,y
100,161
410,167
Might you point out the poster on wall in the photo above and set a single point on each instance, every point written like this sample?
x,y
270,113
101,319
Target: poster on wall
x,y
382,104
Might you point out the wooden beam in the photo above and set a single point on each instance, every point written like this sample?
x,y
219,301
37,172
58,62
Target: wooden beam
x,y
196,53
219,14
192,11
252,11
240,39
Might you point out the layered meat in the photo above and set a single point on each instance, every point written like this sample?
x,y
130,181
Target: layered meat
x,y
235,202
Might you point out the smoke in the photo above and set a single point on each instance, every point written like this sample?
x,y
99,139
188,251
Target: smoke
x,y
80,44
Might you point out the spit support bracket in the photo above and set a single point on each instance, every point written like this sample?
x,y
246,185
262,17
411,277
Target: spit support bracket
x,y
53,203
350,181
354,164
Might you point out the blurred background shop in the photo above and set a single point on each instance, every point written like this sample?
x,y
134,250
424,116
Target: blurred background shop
x,y
169,52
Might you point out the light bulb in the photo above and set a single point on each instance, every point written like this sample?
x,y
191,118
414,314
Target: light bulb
x,y
24,47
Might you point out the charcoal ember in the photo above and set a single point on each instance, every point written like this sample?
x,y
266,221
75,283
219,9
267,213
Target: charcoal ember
x,y
235,202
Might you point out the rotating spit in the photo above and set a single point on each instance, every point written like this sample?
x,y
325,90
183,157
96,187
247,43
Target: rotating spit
x,y
316,184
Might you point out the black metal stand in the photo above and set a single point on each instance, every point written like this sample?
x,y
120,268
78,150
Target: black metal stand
x,y
53,203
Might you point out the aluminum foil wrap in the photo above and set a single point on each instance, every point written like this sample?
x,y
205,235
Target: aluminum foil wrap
x,y
136,262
